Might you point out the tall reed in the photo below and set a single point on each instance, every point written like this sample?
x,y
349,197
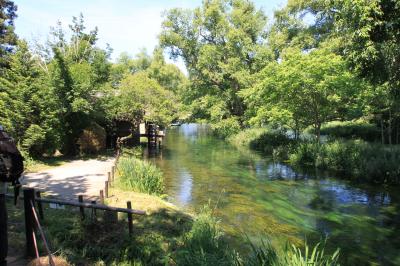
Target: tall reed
x,y
140,176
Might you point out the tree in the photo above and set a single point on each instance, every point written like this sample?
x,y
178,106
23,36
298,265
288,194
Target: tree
x,y
302,89
222,44
79,72
369,39
8,38
29,110
140,98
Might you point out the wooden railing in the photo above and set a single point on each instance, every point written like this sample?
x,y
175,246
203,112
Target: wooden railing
x,y
32,222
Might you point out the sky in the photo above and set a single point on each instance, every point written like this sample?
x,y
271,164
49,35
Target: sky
x,y
126,25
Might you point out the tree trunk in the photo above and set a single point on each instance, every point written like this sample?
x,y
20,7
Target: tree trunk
x,y
390,127
318,132
382,132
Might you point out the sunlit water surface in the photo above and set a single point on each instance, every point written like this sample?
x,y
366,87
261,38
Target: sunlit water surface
x,y
256,196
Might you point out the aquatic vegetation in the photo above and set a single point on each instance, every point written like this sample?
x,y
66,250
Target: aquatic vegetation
x,y
266,255
205,244
140,176
356,159
267,140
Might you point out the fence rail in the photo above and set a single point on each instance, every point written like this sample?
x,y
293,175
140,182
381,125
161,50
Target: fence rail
x,y
90,206
32,222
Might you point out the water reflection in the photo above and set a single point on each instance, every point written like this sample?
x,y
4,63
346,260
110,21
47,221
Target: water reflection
x,y
184,193
277,171
257,196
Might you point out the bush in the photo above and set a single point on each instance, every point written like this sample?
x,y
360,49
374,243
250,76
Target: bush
x,y
270,139
356,158
139,176
245,137
226,127
267,140
351,130
34,140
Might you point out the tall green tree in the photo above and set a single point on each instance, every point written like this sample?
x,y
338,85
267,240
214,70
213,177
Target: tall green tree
x,y
369,38
146,88
303,89
140,98
79,72
28,105
8,38
222,44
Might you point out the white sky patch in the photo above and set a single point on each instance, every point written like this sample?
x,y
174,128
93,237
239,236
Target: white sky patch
x,y
126,25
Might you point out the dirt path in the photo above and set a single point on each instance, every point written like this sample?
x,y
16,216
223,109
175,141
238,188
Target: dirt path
x,y
80,177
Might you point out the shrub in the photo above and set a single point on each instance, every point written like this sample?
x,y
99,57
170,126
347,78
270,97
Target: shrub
x,y
139,176
267,140
245,137
351,130
270,139
308,154
356,158
226,127
34,140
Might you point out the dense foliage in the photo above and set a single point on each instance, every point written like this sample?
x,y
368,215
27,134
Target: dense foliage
x,y
7,36
51,93
222,44
319,61
321,68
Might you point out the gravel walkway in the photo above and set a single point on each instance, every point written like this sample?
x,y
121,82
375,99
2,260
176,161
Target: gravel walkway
x,y
80,177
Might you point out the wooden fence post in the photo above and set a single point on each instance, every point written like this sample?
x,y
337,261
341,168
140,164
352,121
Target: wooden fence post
x,y
130,225
29,196
94,214
106,189
39,204
101,197
82,210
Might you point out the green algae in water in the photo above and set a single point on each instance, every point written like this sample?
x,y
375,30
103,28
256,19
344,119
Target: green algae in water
x,y
259,197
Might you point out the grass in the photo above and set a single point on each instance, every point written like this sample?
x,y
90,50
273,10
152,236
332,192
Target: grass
x,y
98,241
165,236
352,159
205,244
139,176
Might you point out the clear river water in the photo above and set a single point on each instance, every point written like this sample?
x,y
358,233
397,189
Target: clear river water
x,y
256,196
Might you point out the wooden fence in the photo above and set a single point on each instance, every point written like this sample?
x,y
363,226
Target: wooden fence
x,y
32,222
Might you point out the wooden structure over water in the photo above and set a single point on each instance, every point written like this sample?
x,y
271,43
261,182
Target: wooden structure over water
x,y
153,133
129,134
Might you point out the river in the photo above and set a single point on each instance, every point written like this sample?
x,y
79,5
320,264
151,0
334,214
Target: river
x,y
256,196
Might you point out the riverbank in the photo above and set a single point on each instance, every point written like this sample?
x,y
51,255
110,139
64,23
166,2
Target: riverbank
x,y
206,242
165,236
352,159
